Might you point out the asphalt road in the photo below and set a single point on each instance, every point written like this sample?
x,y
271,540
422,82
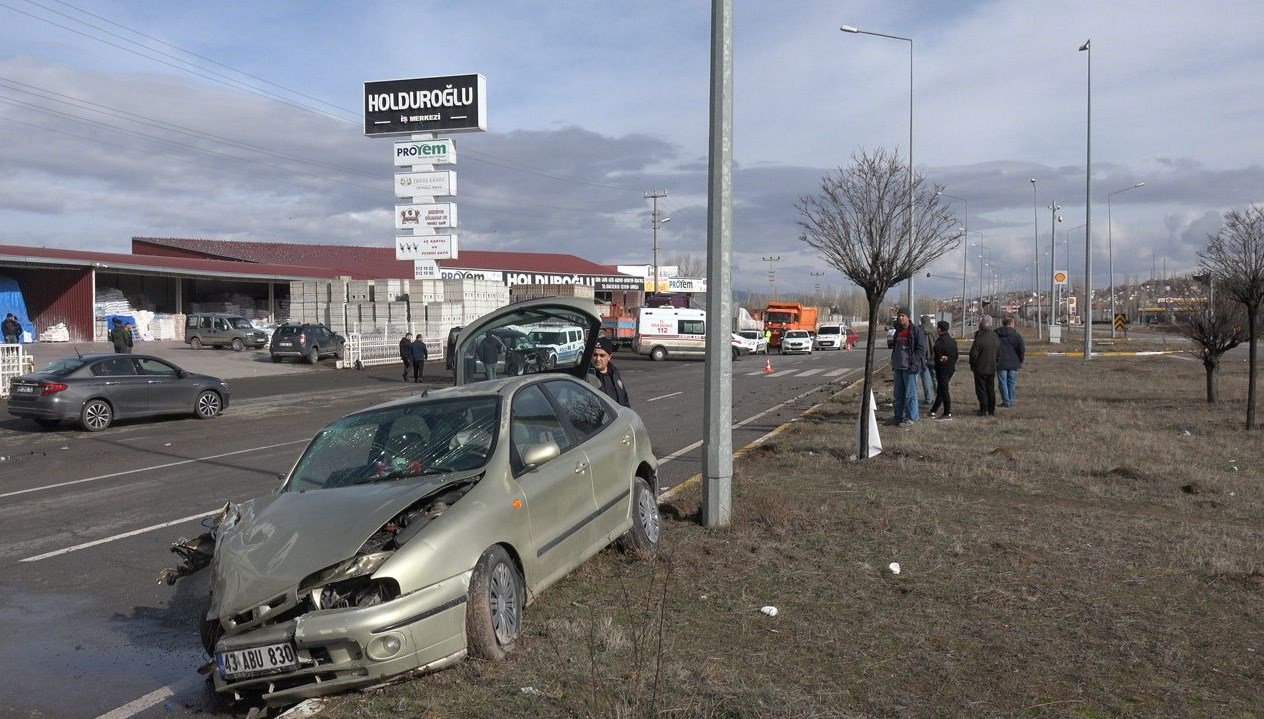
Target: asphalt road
x,y
86,519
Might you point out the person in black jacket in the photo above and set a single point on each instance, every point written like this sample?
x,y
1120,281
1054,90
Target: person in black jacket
x,y
12,329
983,353
945,361
418,353
1009,360
604,375
406,353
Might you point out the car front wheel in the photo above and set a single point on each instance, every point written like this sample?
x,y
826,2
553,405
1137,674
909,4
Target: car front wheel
x,y
195,343
647,524
493,619
313,355
658,354
238,345
96,415
208,404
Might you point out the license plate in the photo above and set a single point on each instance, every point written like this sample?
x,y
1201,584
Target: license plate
x,y
25,389
285,344
256,661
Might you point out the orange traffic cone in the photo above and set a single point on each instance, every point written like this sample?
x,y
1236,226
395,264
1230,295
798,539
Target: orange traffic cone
x,y
768,366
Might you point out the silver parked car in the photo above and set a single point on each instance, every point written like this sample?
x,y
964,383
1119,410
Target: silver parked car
x,y
95,390
412,533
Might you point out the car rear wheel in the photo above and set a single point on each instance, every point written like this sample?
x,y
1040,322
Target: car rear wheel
x,y
195,343
493,618
313,355
96,415
238,345
209,404
551,361
658,354
647,524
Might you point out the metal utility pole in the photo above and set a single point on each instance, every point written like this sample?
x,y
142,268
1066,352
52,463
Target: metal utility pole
x,y
1088,209
772,275
1053,261
717,450
1035,269
655,223
816,284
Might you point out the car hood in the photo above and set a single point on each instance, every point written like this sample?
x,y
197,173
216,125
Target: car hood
x,y
280,539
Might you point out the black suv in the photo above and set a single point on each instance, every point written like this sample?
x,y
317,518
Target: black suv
x,y
309,341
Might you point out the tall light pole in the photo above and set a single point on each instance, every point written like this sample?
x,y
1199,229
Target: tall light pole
x,y
772,275
912,297
1088,208
1110,253
1035,270
656,223
965,235
1053,259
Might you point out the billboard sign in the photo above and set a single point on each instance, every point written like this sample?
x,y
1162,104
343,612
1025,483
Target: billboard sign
x,y
425,247
441,151
1060,277
454,103
425,184
442,214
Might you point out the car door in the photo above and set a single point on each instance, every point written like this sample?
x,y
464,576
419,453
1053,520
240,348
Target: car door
x,y
559,492
525,317
607,440
168,392
116,380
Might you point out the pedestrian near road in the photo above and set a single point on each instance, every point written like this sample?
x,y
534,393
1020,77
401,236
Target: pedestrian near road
x,y
1009,360
121,338
983,354
945,355
907,360
418,354
928,375
604,375
406,353
12,329
489,354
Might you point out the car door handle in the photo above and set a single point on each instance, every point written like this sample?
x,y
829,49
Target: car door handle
x,y
581,467
153,381
626,439
109,382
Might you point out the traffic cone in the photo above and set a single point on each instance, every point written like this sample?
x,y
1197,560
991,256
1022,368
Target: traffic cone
x,y
768,365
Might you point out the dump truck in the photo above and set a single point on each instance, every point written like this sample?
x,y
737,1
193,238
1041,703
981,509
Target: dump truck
x,y
782,316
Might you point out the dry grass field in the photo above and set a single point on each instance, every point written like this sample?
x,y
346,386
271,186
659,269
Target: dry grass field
x,y
1096,551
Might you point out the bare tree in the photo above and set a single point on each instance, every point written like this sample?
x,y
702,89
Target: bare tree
x,y
1217,327
860,224
688,265
1234,257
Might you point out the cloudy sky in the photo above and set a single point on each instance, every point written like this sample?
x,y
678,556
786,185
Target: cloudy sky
x,y
241,120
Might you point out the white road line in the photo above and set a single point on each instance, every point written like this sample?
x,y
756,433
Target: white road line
x,y
136,706
124,535
655,399
783,373
840,372
810,372
147,469
755,373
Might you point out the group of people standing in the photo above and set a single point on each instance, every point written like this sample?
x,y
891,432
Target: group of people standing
x,y
995,358
413,353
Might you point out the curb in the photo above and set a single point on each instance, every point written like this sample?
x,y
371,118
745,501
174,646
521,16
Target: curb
x,y
1147,353
697,478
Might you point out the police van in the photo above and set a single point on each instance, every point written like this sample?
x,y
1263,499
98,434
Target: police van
x,y
564,343
663,332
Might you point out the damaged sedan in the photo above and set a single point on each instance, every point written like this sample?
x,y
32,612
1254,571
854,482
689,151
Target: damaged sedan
x,y
413,533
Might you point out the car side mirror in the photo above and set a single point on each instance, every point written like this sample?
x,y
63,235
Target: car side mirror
x,y
181,374
537,454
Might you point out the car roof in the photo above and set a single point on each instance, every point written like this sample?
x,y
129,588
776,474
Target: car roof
x,y
486,388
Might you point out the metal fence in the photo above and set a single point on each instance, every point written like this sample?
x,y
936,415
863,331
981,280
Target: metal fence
x,y
379,348
14,362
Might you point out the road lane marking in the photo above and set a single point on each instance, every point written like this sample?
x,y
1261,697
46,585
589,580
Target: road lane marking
x,y
124,535
810,372
783,372
756,372
655,399
147,469
136,706
841,372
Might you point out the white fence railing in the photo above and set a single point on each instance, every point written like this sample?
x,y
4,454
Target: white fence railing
x,y
14,362
366,350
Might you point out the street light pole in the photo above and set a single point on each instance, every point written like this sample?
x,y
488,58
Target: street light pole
x,y
655,223
1088,208
1110,252
912,297
966,236
1053,262
1035,269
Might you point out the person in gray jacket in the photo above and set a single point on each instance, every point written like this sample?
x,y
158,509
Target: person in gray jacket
x,y
1009,360
928,378
983,364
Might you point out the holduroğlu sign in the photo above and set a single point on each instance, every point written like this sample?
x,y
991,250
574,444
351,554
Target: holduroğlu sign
x,y
455,103
601,283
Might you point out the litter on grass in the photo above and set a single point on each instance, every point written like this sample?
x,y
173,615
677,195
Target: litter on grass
x,y
894,567
769,610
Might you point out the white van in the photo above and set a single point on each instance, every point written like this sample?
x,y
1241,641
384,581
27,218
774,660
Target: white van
x,y
663,332
564,343
831,337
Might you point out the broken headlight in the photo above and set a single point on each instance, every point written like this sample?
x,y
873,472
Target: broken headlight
x,y
348,584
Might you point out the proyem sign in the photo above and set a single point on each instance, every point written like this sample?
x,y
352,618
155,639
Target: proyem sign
x,y
425,152
454,103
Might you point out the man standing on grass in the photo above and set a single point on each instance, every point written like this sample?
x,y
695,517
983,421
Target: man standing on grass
x,y
945,365
1009,361
983,354
907,360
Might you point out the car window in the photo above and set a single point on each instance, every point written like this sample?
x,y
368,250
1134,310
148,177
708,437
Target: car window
x,y
62,367
154,367
587,413
205,323
534,421
241,323
827,330
191,321
114,367
691,327
287,331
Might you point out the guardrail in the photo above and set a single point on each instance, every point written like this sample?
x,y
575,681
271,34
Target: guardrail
x,y
14,362
366,350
